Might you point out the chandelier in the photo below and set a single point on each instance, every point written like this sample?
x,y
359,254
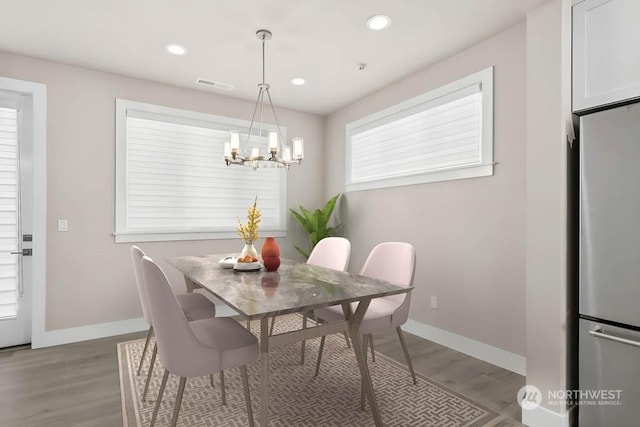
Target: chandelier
x,y
279,154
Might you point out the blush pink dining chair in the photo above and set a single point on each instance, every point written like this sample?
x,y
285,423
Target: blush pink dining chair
x,y
393,262
330,252
194,307
196,348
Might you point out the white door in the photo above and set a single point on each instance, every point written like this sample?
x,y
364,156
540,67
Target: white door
x,y
16,136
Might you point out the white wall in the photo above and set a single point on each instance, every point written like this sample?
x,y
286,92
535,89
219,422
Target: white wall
x,y
548,110
469,234
89,279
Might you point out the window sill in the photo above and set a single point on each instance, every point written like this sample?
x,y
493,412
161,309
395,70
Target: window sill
x,y
462,172
134,237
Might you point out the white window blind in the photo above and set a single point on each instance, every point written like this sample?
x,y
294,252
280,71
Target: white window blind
x,y
176,185
444,134
9,264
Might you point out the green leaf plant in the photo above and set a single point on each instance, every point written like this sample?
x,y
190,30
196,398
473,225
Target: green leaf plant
x,y
316,223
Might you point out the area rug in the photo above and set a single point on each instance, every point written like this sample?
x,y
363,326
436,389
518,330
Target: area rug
x,y
296,397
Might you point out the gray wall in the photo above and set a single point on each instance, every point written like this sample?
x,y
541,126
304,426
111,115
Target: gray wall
x,y
469,234
89,279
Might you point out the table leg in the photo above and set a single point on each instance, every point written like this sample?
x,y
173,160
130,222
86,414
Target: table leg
x,y
190,285
302,350
264,372
354,320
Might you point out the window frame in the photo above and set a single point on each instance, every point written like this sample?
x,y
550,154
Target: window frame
x,y
423,102
176,115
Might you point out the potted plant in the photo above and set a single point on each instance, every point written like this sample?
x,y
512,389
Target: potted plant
x,y
316,223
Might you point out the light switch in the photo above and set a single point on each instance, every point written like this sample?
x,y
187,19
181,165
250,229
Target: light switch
x,y
63,225
434,302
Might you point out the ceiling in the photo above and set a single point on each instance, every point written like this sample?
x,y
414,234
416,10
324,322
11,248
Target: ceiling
x,y
323,41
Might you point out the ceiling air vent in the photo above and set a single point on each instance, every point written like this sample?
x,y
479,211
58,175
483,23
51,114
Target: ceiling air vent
x,y
214,84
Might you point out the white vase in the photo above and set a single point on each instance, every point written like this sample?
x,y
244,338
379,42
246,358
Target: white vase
x,y
249,250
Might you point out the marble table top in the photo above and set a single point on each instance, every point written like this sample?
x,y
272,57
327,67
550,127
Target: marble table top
x,y
294,287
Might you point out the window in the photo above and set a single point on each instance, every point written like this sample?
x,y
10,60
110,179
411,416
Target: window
x,y
441,135
172,182
9,201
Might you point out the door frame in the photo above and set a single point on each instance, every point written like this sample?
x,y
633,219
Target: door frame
x,y
38,92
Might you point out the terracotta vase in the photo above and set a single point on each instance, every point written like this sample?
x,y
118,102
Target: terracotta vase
x,y
270,254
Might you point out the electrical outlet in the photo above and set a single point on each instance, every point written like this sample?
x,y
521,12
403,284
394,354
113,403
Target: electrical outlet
x,y
434,302
63,225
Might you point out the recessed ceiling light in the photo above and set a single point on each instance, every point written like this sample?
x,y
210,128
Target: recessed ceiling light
x,y
176,49
298,81
378,22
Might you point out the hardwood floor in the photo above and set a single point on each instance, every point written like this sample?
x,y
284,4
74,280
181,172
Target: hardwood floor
x,y
78,384
69,385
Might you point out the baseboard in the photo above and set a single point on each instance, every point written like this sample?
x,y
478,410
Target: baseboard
x,y
102,330
543,417
496,356
89,332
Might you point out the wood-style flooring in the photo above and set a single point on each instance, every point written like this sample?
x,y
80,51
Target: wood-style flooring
x,y
78,384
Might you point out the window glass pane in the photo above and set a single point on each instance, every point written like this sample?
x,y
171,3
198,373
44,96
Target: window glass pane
x,y
8,212
434,133
177,181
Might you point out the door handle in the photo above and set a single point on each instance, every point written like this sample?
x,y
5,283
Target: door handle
x,y
24,252
598,332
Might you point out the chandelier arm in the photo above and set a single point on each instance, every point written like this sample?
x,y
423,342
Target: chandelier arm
x,y
253,116
261,113
275,116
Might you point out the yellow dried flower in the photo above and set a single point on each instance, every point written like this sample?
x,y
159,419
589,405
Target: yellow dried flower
x,y
249,232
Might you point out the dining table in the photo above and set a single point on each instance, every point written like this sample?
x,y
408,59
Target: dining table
x,y
294,288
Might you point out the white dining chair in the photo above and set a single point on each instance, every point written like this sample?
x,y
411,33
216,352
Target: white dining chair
x,y
393,262
194,306
193,348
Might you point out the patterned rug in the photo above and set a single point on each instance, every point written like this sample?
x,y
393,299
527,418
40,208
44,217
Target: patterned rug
x,y
296,397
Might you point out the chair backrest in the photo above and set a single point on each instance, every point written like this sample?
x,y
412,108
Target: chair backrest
x,y
331,252
136,258
177,344
393,262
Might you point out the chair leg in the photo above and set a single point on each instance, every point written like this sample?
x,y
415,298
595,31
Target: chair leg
x,y
176,408
247,396
211,381
223,392
273,324
320,355
406,353
373,352
144,350
160,393
249,325
303,345
365,345
150,372
346,338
